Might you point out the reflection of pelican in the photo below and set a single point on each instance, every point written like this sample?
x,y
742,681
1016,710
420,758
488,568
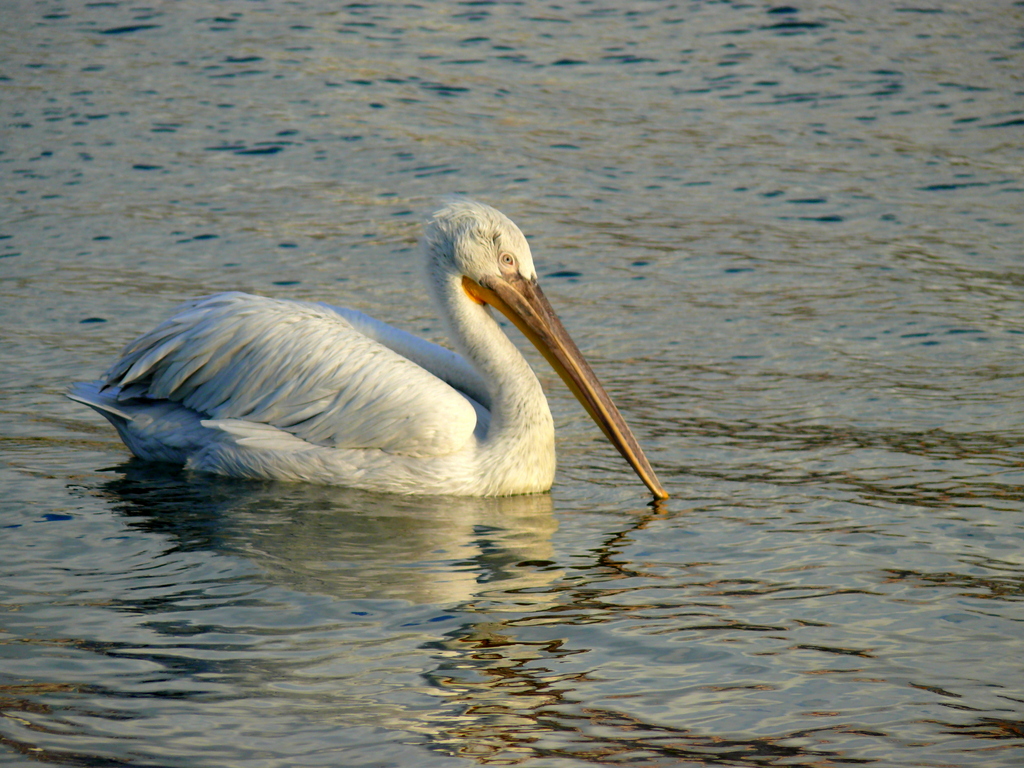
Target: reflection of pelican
x,y
252,387
348,544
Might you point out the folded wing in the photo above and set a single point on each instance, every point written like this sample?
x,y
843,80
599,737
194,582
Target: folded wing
x,y
300,367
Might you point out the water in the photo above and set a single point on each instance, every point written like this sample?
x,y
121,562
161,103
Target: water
x,y
788,238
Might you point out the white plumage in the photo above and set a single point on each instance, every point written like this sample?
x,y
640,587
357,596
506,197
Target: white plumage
x,y
255,387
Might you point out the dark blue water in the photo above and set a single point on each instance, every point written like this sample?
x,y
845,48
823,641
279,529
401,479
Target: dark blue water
x,y
787,237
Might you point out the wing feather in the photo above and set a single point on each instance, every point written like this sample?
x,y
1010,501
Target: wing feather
x,y
299,367
443,363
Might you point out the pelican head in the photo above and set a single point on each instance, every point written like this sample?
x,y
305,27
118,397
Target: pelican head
x,y
476,250
466,238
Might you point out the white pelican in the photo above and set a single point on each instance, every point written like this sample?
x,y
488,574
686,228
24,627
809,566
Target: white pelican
x,y
253,387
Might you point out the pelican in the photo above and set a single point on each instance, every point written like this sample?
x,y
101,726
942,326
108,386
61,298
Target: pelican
x,y
262,388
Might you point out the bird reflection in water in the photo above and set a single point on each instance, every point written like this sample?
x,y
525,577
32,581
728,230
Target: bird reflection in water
x,y
345,543
507,669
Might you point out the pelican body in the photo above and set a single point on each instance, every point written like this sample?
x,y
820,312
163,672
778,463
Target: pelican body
x,y
254,387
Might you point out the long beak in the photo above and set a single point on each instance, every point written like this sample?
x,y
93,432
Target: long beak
x,y
523,303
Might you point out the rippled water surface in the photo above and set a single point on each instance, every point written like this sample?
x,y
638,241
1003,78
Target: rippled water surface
x,y
789,237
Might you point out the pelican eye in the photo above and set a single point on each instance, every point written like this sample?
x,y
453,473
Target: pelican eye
x,y
507,259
